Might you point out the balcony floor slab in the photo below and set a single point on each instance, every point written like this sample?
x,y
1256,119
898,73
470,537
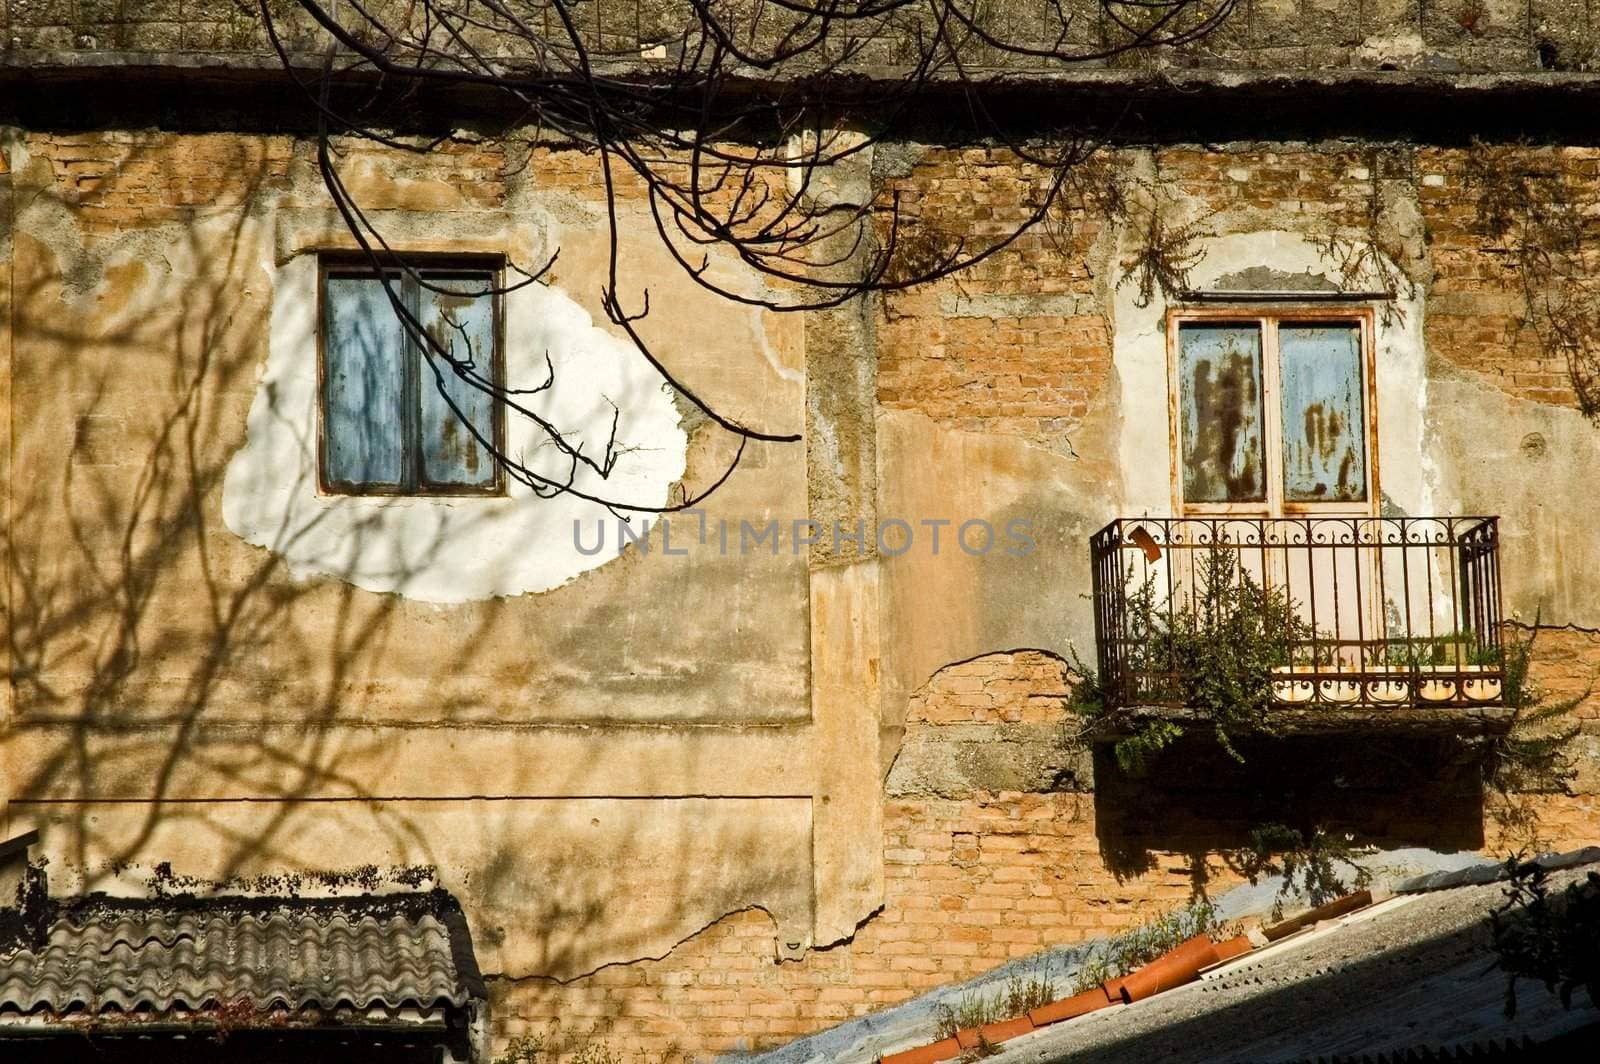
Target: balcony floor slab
x,y
1487,721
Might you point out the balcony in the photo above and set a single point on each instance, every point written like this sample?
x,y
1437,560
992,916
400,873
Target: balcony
x,y
1359,621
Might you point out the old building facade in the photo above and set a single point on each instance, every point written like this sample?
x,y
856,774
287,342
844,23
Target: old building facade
x,y
707,792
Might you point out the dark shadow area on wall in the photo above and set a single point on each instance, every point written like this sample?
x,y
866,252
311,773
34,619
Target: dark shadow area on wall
x,y
1196,799
250,93
235,1047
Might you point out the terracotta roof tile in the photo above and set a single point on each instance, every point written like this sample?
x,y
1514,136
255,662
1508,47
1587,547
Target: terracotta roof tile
x,y
948,1049
1173,968
1072,1007
1337,907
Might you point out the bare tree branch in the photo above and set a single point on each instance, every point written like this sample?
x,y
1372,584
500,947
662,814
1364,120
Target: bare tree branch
x,y
734,129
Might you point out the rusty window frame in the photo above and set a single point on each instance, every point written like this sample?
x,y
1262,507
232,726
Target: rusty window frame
x,y
413,485
1267,319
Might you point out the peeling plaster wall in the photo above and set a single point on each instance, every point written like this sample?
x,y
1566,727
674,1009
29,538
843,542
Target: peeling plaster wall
x,y
602,880
1535,465
953,605
1268,217
454,550
992,725
253,688
1119,463
136,331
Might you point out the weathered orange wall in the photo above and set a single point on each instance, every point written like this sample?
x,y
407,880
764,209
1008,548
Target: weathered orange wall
x,y
1018,351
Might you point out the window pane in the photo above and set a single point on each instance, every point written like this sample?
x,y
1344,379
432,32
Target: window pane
x,y
362,349
1324,451
1221,413
462,324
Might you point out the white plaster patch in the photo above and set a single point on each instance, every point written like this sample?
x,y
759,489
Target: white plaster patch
x,y
453,549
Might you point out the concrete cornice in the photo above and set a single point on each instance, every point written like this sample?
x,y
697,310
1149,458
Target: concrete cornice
x,y
75,89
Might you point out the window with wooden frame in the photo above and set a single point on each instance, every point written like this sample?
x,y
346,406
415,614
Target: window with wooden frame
x,y
395,419
1272,411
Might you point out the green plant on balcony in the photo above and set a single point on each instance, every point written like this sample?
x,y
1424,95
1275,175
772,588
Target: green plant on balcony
x,y
1213,653
1453,649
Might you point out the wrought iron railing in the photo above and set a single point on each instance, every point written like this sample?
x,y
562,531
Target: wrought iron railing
x,y
1354,611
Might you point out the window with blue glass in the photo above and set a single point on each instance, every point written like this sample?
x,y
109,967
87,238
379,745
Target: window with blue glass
x,y
1273,411
398,417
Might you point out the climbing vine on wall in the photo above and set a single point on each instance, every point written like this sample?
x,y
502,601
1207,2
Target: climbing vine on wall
x,y
1366,257
1165,249
1528,202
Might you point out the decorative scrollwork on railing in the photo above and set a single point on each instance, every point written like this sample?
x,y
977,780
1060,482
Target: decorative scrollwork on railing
x,y
1396,611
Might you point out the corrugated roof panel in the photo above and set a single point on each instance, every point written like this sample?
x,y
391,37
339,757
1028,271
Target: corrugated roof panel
x,y
359,952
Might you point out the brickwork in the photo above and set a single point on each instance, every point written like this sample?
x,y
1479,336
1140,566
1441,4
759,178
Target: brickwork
x,y
1016,346
1023,688
970,884
1034,377
127,180
1019,347
123,180
1566,664
1325,190
1477,304
1560,824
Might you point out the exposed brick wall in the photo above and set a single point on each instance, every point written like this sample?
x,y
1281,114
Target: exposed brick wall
x,y
1566,664
970,885
1323,189
1027,687
1018,345
1477,302
1034,377
974,881
1542,823
125,180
